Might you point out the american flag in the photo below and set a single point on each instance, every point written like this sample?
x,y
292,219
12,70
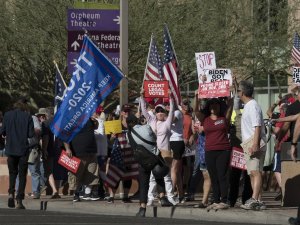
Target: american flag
x,y
60,87
171,68
153,69
296,49
116,166
122,165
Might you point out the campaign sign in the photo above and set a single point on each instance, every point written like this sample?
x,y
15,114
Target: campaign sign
x,y
156,89
205,61
71,164
296,75
113,127
214,89
94,78
218,74
238,159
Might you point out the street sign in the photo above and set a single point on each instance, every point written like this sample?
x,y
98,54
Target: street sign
x,y
103,27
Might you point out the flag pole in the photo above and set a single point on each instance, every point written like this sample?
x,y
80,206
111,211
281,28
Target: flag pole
x,y
147,59
167,29
59,73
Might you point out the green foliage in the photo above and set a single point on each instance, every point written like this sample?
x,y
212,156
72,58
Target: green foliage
x,y
252,37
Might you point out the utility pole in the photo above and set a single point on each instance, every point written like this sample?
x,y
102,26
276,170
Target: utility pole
x,y
124,50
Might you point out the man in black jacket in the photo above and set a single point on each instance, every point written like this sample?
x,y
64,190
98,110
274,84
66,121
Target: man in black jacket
x,y
17,128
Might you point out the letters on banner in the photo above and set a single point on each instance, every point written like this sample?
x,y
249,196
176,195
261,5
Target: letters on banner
x,y
113,127
238,159
71,164
94,78
296,75
214,89
205,61
156,89
218,75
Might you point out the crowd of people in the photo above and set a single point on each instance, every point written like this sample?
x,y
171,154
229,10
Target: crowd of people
x,y
167,131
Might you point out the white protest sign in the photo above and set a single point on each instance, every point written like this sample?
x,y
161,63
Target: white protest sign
x,y
218,75
205,61
296,75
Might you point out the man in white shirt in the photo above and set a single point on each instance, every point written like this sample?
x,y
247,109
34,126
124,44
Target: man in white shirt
x,y
252,126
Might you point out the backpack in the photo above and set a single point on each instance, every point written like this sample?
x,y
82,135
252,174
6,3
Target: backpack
x,y
142,155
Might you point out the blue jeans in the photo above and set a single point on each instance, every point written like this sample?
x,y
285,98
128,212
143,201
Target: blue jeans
x,y
38,179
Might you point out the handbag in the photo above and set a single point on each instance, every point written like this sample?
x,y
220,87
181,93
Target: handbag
x,y
143,156
33,155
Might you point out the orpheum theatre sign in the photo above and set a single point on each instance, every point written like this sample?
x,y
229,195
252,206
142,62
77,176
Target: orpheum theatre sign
x,y
103,27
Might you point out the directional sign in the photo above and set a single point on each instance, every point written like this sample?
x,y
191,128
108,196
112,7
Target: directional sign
x,y
103,27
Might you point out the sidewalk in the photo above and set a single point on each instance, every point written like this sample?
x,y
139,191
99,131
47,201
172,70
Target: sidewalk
x,y
273,215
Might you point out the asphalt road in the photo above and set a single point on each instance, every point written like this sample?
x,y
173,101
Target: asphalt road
x,y
30,217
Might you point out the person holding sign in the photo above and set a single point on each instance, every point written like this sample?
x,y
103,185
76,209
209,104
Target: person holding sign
x,y
216,125
252,127
160,123
84,147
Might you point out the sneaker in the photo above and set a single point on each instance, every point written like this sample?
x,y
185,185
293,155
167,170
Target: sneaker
x,y
90,196
251,203
55,196
294,221
76,198
181,200
221,205
141,212
20,205
173,200
126,200
110,200
11,202
262,205
164,202
200,205
150,202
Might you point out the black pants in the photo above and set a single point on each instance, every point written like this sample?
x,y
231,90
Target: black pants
x,y
235,176
144,177
17,165
217,165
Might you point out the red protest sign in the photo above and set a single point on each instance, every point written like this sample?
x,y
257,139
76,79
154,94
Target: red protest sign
x,y
156,89
238,159
214,89
71,164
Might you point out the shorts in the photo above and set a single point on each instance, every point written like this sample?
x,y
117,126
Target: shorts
x,y
177,148
88,172
256,161
277,162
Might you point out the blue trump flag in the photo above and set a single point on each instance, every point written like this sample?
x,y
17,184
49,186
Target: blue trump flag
x,y
94,78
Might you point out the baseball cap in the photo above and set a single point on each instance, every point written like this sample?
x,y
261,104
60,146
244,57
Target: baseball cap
x,y
160,107
42,111
100,109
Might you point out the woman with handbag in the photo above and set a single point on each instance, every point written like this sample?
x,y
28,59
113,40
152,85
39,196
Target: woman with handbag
x,y
143,142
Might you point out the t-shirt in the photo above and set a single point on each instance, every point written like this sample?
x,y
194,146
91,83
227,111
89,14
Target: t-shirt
x,y
293,109
177,127
84,142
252,117
216,133
187,126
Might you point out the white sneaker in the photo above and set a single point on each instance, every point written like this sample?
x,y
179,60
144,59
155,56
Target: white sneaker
x,y
150,202
173,200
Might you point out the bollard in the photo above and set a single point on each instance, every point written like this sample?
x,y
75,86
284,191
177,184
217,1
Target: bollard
x,y
45,205
154,211
41,205
172,211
